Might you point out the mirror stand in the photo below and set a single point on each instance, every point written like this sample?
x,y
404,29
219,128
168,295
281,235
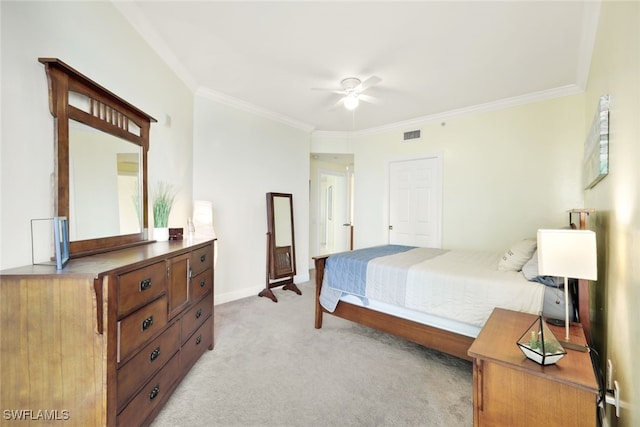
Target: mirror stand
x,y
281,253
282,261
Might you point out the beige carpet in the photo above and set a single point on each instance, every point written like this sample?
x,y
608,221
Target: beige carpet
x,y
270,368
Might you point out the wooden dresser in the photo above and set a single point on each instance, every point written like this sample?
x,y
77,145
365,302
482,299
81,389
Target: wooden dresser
x,y
511,390
106,340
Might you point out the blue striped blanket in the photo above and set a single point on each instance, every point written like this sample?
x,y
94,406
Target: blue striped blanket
x,y
347,272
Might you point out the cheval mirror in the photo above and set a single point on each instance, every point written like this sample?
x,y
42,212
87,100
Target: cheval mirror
x,y
281,254
101,144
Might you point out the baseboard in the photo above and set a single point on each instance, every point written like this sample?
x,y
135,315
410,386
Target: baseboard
x,y
301,278
236,295
252,291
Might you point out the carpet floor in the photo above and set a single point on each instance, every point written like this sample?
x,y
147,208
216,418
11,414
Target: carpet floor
x,y
270,368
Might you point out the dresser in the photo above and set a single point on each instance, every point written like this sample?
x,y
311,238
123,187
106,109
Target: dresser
x,y
511,390
104,341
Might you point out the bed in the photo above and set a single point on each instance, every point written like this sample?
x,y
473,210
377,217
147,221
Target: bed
x,y
384,287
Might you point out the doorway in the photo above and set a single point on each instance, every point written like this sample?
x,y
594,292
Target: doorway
x,y
331,203
335,220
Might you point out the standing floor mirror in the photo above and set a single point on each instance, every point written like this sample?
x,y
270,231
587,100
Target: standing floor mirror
x,y
281,254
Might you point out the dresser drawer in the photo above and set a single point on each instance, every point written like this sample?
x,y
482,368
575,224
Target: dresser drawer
x,y
201,259
135,329
196,345
152,394
201,284
138,287
151,358
196,316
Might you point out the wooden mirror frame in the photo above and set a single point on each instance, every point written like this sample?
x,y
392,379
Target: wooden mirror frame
x,y
108,113
281,260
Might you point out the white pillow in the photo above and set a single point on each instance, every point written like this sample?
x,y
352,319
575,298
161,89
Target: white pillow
x,y
517,255
530,272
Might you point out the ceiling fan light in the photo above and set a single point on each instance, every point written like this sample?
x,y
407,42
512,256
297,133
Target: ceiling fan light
x,y
351,102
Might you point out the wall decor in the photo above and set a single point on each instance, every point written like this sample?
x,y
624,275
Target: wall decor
x,y
596,147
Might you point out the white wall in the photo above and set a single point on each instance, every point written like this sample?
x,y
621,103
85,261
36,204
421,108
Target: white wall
x,y
238,158
93,38
506,173
615,70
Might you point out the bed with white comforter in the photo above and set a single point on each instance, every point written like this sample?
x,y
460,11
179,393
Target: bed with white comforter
x,y
454,290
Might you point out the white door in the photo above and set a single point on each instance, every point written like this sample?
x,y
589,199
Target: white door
x,y
415,202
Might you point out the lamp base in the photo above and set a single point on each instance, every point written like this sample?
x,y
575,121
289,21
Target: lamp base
x,y
555,322
573,346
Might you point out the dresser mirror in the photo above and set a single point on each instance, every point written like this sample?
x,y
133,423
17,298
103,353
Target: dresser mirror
x,y
281,254
101,144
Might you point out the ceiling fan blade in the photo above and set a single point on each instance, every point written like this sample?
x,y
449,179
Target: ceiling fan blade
x,y
338,104
371,81
368,98
321,89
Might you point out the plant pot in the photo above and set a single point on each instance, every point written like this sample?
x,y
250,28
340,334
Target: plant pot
x,y
161,234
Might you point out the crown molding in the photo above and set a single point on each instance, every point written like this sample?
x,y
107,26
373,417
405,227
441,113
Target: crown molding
x,y
474,109
252,108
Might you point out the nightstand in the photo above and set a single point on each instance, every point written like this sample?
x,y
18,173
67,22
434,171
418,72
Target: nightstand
x,y
511,390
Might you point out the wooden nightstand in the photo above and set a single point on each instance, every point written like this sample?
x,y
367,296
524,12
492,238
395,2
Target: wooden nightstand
x,y
511,390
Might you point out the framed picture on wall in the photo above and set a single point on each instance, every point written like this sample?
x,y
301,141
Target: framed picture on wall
x,y
596,146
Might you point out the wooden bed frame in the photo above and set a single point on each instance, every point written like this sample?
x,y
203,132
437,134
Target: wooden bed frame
x,y
428,336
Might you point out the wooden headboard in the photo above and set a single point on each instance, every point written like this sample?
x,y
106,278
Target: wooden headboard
x,y
584,311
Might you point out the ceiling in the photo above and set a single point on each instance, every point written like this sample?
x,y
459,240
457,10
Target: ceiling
x,y
435,59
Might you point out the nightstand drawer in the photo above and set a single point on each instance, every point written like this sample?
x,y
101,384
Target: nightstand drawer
x,y
135,329
151,395
196,345
201,284
138,287
201,259
151,358
196,316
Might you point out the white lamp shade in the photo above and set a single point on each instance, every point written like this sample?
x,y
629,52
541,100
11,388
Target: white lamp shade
x,y
203,218
567,253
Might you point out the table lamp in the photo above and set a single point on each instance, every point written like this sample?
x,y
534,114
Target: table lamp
x,y
203,223
567,253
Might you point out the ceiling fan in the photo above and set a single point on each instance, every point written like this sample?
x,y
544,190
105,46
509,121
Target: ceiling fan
x,y
351,89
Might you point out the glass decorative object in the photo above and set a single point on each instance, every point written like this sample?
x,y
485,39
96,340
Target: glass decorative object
x,y
540,345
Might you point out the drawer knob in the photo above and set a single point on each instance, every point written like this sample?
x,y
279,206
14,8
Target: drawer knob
x,y
154,393
203,257
199,340
202,283
145,284
198,313
154,354
146,323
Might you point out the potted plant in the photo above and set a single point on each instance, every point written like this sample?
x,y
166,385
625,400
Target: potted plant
x,y
162,203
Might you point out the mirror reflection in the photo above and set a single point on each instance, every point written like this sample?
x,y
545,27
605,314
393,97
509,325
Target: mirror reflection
x,y
104,184
282,221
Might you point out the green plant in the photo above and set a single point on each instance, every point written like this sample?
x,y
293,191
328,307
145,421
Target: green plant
x,y
162,203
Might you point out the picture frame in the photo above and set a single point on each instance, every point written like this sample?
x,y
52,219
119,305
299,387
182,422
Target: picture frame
x,y
596,146
50,241
61,240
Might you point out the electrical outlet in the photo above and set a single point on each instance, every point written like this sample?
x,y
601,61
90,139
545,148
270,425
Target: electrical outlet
x,y
616,395
609,374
